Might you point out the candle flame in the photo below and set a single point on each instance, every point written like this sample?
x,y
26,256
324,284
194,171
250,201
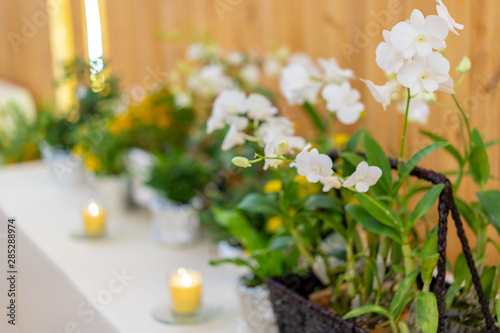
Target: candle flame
x,y
94,209
186,280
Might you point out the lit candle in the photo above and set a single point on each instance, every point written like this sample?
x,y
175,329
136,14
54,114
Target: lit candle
x,y
94,220
185,288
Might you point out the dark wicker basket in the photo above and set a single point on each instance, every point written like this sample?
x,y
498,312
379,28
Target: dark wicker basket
x,y
296,314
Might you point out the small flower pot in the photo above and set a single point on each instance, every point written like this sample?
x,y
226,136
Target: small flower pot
x,y
66,167
173,224
111,191
138,163
257,308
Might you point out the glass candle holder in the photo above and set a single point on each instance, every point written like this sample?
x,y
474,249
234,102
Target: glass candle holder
x,y
185,290
94,220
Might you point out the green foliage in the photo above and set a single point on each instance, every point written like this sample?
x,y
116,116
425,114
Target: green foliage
x,y
180,178
427,312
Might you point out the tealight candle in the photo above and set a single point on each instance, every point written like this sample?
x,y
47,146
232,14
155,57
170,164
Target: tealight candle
x,y
94,220
185,288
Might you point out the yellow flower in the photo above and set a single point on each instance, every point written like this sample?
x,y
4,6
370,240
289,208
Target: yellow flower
x,y
341,139
79,149
305,188
92,162
273,186
273,224
29,151
353,200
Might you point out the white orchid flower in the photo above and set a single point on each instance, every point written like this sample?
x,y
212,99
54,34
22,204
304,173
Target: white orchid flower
x,y
344,101
387,57
382,94
419,110
250,74
313,165
444,14
235,135
259,107
424,73
229,102
298,85
333,73
364,177
330,182
420,35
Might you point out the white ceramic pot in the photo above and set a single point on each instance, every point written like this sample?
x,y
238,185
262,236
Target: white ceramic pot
x,y
139,163
66,167
173,224
257,308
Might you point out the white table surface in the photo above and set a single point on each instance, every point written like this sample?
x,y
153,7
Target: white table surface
x,y
76,271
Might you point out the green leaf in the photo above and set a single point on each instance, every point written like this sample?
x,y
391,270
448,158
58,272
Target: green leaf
x,y
430,246
487,281
491,143
427,266
313,114
403,327
352,144
351,161
450,294
322,201
240,227
417,158
476,139
264,91
367,309
233,261
468,214
378,210
375,156
370,223
280,243
451,149
490,200
497,307
424,205
400,297
427,312
257,203
479,165
461,270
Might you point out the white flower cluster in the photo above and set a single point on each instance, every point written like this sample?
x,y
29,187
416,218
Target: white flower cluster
x,y
277,135
232,107
219,72
301,81
409,51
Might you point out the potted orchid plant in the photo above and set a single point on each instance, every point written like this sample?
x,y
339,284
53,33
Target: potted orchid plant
x,y
383,278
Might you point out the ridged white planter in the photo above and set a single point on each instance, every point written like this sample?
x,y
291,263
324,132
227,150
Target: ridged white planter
x,y
257,308
172,224
66,167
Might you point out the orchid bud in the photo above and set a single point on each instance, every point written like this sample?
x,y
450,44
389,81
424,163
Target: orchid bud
x,y
283,147
241,162
464,66
429,97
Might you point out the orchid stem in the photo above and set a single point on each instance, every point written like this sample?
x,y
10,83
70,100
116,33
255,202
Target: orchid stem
x,y
403,139
463,115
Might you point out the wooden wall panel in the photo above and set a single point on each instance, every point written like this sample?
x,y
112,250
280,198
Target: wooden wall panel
x,y
317,27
